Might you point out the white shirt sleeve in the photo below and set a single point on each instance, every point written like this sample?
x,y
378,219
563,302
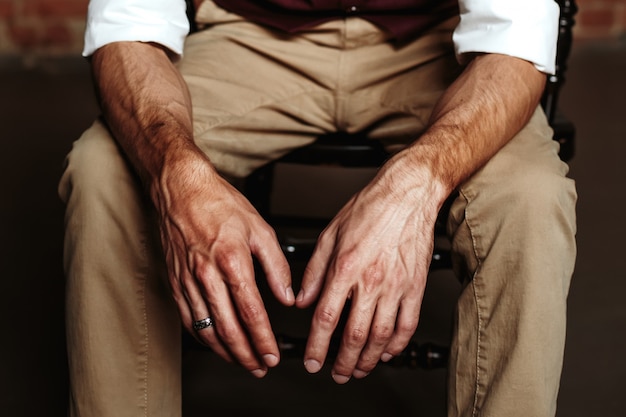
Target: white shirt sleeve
x,y
525,29
160,21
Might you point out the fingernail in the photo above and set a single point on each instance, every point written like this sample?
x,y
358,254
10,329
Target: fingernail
x,y
359,374
270,360
340,379
289,295
259,373
386,357
312,366
300,296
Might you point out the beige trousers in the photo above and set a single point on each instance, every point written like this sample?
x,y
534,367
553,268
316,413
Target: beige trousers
x,y
258,94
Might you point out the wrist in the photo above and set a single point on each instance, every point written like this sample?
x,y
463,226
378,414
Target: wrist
x,y
414,174
182,173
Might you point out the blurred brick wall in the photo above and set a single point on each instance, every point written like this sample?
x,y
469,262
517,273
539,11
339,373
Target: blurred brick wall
x,y
600,19
42,27
55,27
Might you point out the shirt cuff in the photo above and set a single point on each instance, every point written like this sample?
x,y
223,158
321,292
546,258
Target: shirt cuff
x,y
524,29
160,21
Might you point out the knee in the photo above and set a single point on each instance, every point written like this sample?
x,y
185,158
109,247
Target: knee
x,y
525,211
541,196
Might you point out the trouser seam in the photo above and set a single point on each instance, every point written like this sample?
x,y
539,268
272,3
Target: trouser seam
x,y
479,318
146,337
147,347
478,344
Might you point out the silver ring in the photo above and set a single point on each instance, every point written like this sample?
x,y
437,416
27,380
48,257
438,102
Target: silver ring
x,y
202,324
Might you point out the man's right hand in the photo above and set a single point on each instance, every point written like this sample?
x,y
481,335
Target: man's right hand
x,y
210,233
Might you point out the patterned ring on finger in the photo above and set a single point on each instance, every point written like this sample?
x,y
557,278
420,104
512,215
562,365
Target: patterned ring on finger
x,y
202,324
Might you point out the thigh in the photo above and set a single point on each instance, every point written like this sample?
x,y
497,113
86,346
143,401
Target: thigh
x,y
123,331
513,234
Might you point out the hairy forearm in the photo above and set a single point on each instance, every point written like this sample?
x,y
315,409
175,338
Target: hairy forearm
x,y
146,104
478,114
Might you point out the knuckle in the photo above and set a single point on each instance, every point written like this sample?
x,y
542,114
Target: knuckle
x,y
367,362
373,278
199,274
396,349
269,233
343,365
250,312
326,317
346,264
380,335
228,334
229,262
406,329
355,337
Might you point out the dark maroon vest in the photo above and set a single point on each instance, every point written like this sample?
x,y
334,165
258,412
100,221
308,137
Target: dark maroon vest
x,y
403,18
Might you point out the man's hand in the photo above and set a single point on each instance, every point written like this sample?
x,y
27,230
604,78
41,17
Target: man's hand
x,y
375,252
378,248
210,233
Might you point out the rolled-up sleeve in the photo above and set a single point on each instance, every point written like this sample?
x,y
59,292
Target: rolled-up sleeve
x,y
160,21
525,29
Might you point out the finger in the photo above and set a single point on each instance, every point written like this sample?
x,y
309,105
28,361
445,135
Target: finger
x,y
208,336
406,324
182,298
205,292
381,332
191,296
228,331
325,319
245,308
315,271
355,336
275,266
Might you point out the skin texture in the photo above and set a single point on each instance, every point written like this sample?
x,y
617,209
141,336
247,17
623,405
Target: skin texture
x,y
375,252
